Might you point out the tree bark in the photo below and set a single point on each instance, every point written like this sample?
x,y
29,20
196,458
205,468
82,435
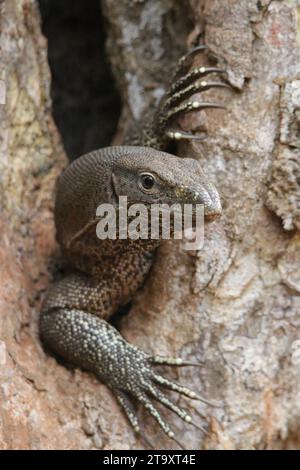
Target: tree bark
x,y
235,304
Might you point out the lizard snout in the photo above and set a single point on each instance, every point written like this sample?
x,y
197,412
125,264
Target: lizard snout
x,y
206,195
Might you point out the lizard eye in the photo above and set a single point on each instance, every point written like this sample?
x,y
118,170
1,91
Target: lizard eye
x,y
146,181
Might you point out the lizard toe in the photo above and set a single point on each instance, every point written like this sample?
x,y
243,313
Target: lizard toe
x,y
185,391
174,361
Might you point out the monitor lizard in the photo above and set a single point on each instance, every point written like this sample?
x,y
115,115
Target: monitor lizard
x,y
107,273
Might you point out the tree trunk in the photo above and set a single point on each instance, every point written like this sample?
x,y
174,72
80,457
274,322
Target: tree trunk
x,y
235,304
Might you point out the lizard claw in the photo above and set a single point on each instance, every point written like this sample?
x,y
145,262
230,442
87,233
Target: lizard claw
x,y
175,134
190,106
190,90
174,361
185,391
186,60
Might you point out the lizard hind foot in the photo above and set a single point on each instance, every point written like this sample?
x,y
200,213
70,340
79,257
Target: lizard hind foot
x,y
137,379
142,384
90,342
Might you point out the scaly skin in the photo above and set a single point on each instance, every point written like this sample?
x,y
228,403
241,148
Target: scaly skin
x,y
106,274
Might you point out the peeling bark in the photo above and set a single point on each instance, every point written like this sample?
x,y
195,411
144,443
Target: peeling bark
x,y
235,304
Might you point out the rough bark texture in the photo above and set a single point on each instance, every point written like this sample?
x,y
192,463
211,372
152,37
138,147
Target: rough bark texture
x,y
235,304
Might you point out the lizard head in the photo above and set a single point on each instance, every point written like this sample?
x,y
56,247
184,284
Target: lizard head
x,y
149,176
142,174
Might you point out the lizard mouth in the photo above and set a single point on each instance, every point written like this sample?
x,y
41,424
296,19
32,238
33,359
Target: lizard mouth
x,y
214,215
212,206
